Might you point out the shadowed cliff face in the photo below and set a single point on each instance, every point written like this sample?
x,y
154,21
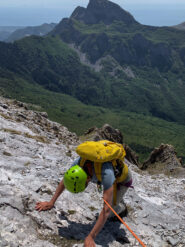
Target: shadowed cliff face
x,y
102,11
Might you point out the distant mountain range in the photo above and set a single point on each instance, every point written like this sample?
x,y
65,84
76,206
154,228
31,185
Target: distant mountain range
x,y
146,63
4,35
102,57
5,31
10,34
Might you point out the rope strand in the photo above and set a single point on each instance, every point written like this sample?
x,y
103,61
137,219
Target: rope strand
x,y
139,240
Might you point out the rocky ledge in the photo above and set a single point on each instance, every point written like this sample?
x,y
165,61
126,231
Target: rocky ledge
x,y
164,160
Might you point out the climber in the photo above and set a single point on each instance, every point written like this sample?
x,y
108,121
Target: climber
x,y
83,171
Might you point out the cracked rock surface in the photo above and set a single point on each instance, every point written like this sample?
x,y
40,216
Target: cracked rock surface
x,y
34,154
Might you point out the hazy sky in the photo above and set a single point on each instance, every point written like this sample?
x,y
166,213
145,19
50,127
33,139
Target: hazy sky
x,y
36,12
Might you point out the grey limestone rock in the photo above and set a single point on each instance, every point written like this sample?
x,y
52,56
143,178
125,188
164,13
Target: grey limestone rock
x,y
164,160
31,174
107,132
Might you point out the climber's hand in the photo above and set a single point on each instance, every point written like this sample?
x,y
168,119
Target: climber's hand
x,y
43,206
89,242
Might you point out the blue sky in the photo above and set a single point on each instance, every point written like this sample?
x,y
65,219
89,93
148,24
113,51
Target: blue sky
x,y
36,12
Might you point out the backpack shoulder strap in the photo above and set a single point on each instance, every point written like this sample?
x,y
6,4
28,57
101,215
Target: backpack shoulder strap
x,y
123,174
82,162
97,169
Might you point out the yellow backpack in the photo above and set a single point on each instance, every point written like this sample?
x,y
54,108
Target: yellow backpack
x,y
103,151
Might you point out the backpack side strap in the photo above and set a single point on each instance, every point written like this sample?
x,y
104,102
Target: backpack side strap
x,y
115,192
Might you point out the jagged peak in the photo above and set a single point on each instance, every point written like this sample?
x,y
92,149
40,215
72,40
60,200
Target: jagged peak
x,y
102,11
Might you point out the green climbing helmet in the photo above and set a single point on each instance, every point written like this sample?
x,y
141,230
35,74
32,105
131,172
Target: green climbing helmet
x,y
75,179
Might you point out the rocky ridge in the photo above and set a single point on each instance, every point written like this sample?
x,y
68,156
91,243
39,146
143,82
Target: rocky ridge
x,y
38,122
164,159
96,44
30,168
102,11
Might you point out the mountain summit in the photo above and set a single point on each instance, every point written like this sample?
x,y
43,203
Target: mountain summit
x,y
102,11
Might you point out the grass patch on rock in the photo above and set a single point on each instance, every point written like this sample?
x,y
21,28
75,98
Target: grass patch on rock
x,y
71,212
5,116
42,139
7,154
92,208
27,163
12,131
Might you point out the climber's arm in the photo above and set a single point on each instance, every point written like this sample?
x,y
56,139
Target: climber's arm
x,y
42,206
108,196
58,192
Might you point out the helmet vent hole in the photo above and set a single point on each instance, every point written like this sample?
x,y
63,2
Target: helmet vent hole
x,y
77,177
75,187
73,171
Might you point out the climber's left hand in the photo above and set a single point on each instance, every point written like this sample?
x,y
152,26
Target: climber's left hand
x,y
89,242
